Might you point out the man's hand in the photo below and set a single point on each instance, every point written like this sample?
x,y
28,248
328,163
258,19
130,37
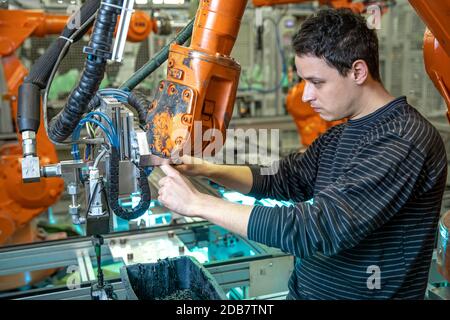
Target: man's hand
x,y
178,194
194,166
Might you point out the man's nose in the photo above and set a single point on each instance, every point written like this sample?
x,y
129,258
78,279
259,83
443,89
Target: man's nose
x,y
308,93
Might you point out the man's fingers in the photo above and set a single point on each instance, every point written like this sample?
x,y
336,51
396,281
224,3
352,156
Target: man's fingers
x,y
169,171
164,180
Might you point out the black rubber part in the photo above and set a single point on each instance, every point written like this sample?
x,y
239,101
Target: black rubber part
x,y
138,101
94,103
113,196
28,113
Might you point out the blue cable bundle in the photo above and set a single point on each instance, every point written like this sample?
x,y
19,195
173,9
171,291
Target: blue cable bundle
x,y
119,94
110,134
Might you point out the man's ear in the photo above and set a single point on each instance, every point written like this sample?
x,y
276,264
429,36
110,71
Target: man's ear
x,y
360,71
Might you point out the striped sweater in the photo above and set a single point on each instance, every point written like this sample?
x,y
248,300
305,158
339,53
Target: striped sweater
x,y
375,188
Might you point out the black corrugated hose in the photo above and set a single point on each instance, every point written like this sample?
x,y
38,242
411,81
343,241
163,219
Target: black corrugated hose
x,y
42,68
138,101
28,115
113,196
99,49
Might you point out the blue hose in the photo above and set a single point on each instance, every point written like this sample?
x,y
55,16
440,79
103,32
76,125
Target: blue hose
x,y
112,137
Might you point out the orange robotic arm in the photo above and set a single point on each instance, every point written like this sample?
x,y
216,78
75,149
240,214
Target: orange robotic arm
x,y
436,54
436,48
201,84
19,202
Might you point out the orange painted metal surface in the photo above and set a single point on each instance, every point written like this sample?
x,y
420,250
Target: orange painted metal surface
x,y
22,202
436,48
18,25
217,25
435,14
309,124
203,78
437,65
141,25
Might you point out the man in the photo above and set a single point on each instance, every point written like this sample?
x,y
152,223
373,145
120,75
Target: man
x,y
375,183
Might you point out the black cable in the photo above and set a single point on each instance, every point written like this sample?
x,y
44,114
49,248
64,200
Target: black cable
x,y
105,195
138,101
144,187
99,51
41,69
28,114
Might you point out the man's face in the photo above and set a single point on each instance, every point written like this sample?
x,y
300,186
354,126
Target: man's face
x,y
329,93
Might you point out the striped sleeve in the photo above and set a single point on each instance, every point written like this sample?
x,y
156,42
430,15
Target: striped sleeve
x,y
293,177
376,184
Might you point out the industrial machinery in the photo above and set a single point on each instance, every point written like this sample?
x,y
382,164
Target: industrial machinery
x,y
242,268
436,48
115,146
198,94
198,77
20,203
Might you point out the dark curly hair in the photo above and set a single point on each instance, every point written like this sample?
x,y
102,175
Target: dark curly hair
x,y
340,37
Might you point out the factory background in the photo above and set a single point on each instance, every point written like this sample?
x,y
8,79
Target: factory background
x,y
267,75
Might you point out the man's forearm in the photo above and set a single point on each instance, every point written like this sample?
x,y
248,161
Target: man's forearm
x,y
237,178
231,216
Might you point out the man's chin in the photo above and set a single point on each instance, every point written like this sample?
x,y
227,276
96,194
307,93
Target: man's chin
x,y
326,117
329,117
